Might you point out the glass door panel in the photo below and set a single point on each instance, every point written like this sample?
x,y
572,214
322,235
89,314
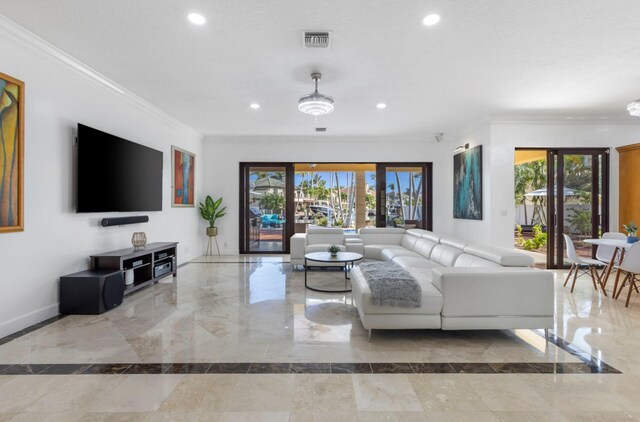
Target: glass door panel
x,y
403,195
334,195
578,199
265,225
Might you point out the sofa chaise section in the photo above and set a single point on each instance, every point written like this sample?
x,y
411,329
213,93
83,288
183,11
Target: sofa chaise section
x,y
479,286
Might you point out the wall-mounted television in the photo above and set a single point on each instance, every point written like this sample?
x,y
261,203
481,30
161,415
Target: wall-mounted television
x,y
115,174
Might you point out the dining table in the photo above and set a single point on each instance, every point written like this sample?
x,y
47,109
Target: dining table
x,y
621,246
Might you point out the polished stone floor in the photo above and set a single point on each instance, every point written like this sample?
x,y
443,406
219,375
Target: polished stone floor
x,y
255,311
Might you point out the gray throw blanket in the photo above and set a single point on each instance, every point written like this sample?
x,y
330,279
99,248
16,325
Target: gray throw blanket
x,y
391,285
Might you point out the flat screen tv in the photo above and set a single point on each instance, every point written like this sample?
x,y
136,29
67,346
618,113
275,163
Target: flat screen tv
x,y
117,175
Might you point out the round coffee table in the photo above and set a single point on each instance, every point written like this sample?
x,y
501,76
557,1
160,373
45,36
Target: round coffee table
x,y
346,258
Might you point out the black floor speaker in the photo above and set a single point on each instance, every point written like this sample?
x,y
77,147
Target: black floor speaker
x,y
91,292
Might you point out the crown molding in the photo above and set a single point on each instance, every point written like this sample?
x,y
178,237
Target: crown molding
x,y
564,118
313,139
11,29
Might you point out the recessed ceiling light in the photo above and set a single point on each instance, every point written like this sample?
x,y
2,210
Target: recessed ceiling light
x,y
255,106
196,18
431,19
381,106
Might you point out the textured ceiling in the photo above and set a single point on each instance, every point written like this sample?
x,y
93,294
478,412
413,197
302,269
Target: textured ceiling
x,y
577,57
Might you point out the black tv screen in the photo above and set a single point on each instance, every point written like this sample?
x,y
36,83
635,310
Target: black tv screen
x,y
117,175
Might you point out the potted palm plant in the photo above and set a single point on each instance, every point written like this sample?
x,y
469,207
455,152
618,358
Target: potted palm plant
x,y
632,232
210,210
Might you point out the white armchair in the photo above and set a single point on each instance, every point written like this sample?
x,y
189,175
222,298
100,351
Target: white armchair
x,y
318,239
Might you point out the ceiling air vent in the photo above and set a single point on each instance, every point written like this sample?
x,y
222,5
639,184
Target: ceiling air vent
x,y
321,129
315,39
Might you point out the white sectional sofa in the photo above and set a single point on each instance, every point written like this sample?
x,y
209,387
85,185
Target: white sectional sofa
x,y
464,285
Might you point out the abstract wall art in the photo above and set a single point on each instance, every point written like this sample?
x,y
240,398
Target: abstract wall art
x,y
11,154
467,184
183,173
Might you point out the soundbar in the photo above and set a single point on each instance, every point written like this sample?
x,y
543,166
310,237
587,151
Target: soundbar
x,y
120,221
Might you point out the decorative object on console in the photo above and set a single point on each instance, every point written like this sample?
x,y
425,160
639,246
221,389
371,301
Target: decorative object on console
x,y
632,232
333,250
183,177
128,277
12,147
139,240
210,210
315,104
467,184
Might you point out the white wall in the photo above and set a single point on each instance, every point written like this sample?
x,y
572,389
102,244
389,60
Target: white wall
x,y
223,155
499,138
56,240
506,135
475,230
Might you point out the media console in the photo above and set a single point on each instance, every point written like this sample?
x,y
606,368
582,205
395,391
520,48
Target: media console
x,y
149,265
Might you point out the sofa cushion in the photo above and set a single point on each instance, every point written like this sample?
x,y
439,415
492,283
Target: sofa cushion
x,y
454,242
409,240
424,247
445,255
503,256
381,235
389,254
325,236
418,263
430,236
415,232
431,297
375,251
468,260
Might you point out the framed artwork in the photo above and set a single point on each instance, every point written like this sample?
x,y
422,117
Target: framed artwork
x,y
467,184
11,154
183,175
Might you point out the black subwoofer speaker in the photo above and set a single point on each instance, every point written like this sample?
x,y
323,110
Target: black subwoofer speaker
x,y
91,292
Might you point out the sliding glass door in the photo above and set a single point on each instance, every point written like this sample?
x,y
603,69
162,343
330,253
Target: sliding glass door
x,y
578,200
280,199
403,195
266,210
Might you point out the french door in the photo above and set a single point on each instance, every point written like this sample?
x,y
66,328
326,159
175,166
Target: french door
x,y
266,208
577,200
404,193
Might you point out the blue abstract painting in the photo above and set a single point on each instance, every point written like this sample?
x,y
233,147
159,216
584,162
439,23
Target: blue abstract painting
x,y
467,184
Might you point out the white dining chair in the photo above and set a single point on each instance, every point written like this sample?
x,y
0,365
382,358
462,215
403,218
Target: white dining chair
x,y
604,253
581,265
631,267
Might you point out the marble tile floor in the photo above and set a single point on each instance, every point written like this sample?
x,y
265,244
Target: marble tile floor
x,y
259,311
321,397
239,259
256,312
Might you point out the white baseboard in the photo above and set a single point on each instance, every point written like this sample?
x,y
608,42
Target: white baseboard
x,y
28,320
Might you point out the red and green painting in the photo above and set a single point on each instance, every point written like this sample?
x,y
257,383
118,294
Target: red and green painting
x,y
183,177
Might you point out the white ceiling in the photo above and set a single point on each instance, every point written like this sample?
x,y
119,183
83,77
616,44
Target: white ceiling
x,y
571,57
